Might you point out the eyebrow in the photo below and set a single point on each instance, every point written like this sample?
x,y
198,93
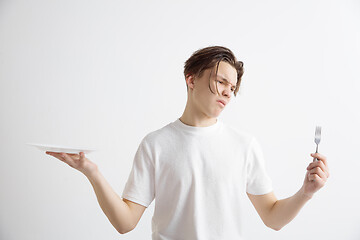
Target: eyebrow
x,y
222,77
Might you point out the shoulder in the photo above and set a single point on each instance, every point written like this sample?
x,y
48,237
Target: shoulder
x,y
159,135
242,136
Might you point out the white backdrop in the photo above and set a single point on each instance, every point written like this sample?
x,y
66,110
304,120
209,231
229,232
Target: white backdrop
x,y
103,74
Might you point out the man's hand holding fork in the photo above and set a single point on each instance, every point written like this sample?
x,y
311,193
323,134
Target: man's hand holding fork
x,y
317,171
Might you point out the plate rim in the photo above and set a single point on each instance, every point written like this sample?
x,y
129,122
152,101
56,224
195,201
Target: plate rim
x,y
76,148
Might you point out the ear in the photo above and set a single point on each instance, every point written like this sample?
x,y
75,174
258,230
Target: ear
x,y
190,81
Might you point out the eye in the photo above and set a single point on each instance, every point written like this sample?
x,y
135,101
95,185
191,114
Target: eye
x,y
219,81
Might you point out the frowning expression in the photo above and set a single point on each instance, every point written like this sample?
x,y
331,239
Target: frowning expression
x,y
211,92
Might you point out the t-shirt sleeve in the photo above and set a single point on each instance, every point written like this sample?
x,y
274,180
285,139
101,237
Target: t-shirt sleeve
x,y
258,181
140,186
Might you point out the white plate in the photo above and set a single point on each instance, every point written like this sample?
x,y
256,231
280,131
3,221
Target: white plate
x,y
56,148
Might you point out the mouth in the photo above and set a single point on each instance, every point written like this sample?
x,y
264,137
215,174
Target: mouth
x,y
221,103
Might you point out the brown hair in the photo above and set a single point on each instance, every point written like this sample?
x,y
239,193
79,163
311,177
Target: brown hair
x,y
208,57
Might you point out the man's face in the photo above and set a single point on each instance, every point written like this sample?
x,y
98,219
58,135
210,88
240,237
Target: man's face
x,y
208,102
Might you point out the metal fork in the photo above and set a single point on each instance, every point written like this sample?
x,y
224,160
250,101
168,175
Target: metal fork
x,y
317,139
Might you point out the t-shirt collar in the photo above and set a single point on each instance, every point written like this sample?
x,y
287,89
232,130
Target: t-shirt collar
x,y
196,130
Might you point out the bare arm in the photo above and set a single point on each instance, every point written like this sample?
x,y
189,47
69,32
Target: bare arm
x,y
123,214
277,213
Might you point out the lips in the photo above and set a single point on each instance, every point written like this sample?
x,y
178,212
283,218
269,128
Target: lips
x,y
223,102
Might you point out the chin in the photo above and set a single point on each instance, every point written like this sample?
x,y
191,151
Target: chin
x,y
212,112
215,114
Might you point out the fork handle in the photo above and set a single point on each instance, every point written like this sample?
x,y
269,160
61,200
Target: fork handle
x,y
315,159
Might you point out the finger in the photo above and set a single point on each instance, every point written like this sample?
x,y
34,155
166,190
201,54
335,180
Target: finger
x,y
59,153
72,154
318,172
56,155
319,156
323,159
69,160
50,153
321,165
311,177
82,156
314,177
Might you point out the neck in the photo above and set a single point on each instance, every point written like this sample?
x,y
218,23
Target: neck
x,y
193,117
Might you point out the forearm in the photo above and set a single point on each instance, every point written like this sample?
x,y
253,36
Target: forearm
x,y
285,210
116,210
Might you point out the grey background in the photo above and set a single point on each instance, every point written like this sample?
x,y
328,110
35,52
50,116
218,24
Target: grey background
x,y
103,74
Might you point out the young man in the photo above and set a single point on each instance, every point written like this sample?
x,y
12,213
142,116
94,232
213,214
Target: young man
x,y
198,168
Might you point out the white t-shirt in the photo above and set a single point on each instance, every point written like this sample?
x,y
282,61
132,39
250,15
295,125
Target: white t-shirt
x,y
198,177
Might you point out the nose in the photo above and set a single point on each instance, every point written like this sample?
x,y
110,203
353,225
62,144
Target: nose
x,y
227,91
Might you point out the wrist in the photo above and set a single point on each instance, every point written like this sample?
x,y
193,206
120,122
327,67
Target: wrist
x,y
304,195
92,172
